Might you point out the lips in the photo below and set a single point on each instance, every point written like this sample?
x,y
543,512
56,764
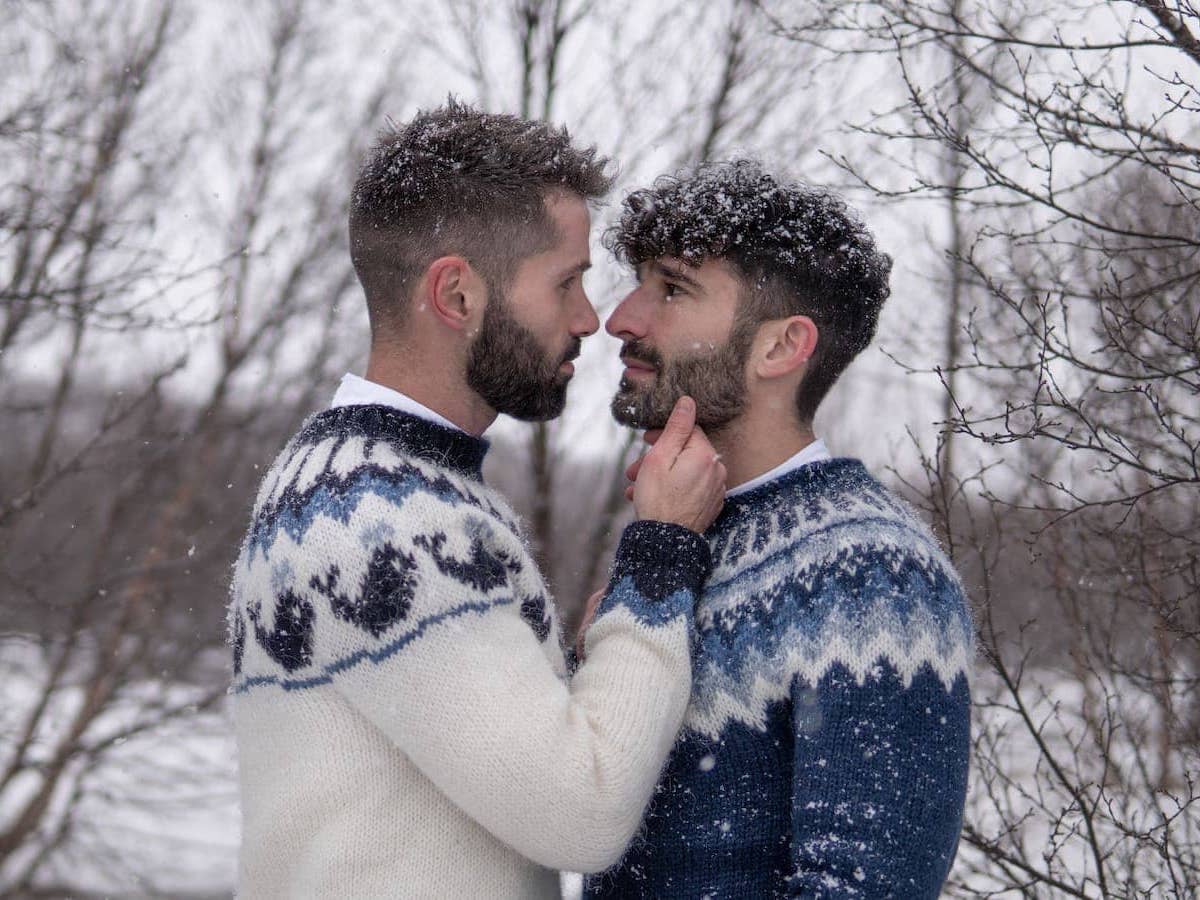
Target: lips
x,y
635,365
566,365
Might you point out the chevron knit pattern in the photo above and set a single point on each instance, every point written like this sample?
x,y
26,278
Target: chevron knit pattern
x,y
824,752
405,723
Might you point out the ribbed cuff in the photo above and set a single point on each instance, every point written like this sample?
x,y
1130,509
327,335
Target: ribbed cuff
x,y
662,558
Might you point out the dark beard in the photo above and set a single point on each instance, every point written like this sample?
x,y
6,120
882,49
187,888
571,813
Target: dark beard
x,y
715,380
511,371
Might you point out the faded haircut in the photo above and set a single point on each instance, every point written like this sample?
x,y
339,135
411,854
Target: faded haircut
x,y
455,180
798,250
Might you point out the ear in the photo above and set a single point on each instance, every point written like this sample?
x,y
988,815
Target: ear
x,y
454,292
785,345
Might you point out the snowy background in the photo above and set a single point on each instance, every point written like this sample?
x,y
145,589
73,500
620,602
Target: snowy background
x,y
178,296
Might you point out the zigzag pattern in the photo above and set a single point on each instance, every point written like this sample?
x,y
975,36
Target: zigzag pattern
x,y
743,693
824,750
854,581
332,476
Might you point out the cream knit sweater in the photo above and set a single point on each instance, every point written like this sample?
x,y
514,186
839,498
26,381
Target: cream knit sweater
x,y
406,725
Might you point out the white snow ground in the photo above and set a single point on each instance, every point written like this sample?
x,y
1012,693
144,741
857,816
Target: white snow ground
x,y
157,816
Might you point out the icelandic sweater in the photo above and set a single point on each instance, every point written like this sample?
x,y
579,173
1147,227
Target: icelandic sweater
x,y
404,719
824,751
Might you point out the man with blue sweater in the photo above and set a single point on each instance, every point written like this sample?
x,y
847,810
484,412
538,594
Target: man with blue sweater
x,y
825,748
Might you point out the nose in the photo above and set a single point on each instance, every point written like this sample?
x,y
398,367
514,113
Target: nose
x,y
625,322
586,322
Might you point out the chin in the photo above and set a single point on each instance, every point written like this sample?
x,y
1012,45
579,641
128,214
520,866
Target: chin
x,y
550,405
629,409
540,414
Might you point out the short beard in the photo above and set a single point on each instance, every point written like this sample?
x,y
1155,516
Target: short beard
x,y
511,371
715,380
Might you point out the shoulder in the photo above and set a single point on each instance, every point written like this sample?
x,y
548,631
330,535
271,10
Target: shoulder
x,y
837,567
341,473
878,546
825,518
356,548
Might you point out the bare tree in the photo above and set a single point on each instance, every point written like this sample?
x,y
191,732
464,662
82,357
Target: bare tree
x,y
1075,382
598,68
120,511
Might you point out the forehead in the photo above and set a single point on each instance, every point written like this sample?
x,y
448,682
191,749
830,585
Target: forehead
x,y
712,273
570,214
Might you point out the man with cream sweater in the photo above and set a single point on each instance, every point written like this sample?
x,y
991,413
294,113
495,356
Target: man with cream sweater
x,y
405,720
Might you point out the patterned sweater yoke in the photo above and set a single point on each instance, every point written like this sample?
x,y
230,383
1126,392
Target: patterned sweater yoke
x,y
825,748
405,722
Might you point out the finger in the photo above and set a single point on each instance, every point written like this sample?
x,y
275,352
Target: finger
x,y
631,473
716,499
678,428
629,493
651,437
698,440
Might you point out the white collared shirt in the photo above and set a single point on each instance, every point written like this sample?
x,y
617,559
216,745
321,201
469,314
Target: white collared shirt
x,y
814,452
357,391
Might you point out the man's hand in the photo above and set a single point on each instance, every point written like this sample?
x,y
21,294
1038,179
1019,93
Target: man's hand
x,y
681,479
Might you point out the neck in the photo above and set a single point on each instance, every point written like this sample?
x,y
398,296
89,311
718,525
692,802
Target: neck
x,y
758,441
419,376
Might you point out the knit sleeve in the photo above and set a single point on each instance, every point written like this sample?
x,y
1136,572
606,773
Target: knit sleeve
x,y
559,770
881,752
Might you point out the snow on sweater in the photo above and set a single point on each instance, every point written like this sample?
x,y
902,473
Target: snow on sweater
x,y
824,752
404,719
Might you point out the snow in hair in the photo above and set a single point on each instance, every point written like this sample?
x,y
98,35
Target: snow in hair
x,y
737,211
455,150
802,249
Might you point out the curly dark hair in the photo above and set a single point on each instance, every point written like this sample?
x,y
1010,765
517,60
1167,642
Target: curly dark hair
x,y
456,180
798,250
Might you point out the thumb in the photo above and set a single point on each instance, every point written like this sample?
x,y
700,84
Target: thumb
x,y
677,430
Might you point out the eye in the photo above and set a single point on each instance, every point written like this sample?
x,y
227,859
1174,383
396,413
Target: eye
x,y
671,289
568,284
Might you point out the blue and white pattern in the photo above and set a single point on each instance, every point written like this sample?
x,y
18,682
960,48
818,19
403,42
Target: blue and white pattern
x,y
410,493
825,748
404,718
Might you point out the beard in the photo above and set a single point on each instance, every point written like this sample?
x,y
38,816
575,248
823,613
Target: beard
x,y
512,372
716,380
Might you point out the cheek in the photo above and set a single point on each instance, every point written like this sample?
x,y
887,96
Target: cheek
x,y
680,330
542,312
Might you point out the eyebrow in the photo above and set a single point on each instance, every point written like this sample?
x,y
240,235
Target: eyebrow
x,y
668,271
578,269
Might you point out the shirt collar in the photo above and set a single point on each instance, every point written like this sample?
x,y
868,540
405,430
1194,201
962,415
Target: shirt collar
x,y
814,452
357,391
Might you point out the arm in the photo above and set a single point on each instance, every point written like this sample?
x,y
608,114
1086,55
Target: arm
x,y
880,770
878,785
559,771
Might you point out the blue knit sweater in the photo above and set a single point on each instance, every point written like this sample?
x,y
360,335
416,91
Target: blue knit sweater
x,y
825,749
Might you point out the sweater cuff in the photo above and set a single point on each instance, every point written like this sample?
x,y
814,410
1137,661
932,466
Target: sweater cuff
x,y
662,559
